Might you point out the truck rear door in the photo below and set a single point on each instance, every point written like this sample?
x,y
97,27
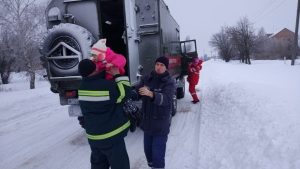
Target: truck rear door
x,y
188,51
132,41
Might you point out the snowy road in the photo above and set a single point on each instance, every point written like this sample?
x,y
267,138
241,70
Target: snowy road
x,y
247,119
38,133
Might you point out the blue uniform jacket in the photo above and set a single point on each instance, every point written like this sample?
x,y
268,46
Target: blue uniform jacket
x,y
157,110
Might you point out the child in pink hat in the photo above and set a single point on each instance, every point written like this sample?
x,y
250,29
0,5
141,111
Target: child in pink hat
x,y
105,58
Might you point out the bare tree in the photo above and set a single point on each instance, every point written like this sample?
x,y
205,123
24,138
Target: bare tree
x,y
262,48
6,67
236,40
244,38
26,21
221,42
243,41
6,56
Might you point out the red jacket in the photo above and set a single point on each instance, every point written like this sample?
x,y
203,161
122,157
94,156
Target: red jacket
x,y
117,60
194,73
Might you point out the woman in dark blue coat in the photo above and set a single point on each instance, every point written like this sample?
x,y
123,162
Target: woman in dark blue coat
x,y
156,90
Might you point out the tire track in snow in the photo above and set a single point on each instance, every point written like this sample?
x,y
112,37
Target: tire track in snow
x,y
60,136
135,149
71,151
44,125
24,109
184,137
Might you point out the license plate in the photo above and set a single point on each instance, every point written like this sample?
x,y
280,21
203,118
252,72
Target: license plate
x,y
74,111
73,101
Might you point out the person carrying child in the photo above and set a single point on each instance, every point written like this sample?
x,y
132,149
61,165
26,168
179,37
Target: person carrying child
x,y
105,58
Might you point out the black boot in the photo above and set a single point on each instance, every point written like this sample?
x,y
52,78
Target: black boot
x,y
128,108
132,123
138,116
133,111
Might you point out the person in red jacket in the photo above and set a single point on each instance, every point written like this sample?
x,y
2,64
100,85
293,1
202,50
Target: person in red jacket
x,y
193,77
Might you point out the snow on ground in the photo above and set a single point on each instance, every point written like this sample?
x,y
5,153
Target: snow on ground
x,y
248,118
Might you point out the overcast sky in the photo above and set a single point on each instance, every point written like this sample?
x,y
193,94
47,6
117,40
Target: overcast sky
x,y
201,18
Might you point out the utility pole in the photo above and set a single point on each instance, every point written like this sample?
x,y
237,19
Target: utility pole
x,y
295,51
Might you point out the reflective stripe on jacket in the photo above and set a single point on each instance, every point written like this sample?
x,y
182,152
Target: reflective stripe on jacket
x,y
157,111
110,134
101,103
194,73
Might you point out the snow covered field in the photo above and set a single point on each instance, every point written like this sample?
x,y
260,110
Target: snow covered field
x,y
248,118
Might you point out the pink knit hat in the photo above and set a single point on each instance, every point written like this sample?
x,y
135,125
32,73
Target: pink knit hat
x,y
196,60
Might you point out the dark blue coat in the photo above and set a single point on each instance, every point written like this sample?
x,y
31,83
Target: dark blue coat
x,y
101,103
157,110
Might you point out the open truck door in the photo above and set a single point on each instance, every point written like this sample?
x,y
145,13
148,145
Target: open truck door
x,y
188,51
131,39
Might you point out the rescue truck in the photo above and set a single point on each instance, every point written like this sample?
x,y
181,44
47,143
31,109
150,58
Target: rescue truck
x,y
140,30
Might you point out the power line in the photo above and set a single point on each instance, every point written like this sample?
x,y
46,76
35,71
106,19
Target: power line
x,y
263,9
270,11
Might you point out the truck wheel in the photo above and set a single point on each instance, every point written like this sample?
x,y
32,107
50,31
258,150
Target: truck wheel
x,y
75,36
81,121
174,105
181,90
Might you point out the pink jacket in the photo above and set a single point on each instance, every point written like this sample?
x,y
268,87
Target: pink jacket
x,y
117,60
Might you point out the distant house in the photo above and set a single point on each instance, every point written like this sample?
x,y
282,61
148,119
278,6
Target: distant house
x,y
284,35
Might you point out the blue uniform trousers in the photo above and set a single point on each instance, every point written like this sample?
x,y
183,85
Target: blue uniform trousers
x,y
155,150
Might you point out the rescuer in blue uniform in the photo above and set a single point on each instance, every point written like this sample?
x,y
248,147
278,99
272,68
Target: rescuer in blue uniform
x,y
156,90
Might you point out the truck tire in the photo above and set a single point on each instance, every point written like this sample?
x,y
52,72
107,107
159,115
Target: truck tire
x,y
181,90
75,36
174,105
81,121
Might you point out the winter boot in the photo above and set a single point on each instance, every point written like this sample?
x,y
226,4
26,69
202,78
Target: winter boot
x,y
138,116
195,98
132,110
132,123
128,108
195,101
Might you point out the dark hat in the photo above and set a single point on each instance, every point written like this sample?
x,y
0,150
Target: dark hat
x,y
163,60
86,67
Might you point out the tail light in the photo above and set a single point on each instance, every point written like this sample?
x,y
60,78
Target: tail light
x,y
71,94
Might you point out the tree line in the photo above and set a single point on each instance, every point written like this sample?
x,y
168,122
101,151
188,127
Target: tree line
x,y
22,23
243,42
